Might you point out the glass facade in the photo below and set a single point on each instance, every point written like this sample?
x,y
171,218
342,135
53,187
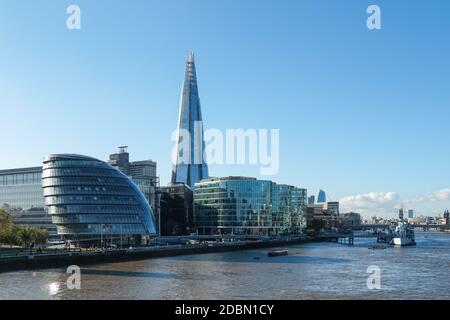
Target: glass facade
x,y
176,210
89,200
321,197
21,189
241,205
21,196
192,167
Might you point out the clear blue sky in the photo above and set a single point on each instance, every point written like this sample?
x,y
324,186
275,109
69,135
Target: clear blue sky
x,y
359,111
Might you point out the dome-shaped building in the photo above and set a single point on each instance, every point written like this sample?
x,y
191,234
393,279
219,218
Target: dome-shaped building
x,y
92,202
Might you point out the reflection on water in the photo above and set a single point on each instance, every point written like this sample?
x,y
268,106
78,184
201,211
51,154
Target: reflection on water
x,y
311,271
53,288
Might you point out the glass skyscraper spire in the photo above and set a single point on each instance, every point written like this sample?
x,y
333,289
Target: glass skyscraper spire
x,y
190,165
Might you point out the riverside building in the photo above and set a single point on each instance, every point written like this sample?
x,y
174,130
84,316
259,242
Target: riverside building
x,y
91,202
177,216
143,174
21,196
248,206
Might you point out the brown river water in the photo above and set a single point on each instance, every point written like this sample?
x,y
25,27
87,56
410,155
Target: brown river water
x,y
310,271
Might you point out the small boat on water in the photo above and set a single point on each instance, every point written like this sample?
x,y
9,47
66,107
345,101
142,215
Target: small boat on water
x,y
377,247
277,253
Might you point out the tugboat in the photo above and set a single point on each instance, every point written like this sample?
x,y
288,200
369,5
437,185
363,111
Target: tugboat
x,y
277,253
404,235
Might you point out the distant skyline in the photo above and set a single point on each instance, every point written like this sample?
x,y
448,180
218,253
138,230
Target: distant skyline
x,y
363,114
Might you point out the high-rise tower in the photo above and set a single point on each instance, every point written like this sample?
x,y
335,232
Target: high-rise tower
x,y
321,197
190,165
400,213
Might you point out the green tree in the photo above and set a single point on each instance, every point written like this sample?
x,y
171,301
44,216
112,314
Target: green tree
x,y
24,235
6,227
41,236
20,235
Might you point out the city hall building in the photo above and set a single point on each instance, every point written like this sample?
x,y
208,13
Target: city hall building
x,y
248,206
90,201
21,192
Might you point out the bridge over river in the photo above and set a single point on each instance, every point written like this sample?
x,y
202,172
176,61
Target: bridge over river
x,y
425,227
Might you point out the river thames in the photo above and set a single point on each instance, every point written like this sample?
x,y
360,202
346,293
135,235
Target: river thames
x,y
310,271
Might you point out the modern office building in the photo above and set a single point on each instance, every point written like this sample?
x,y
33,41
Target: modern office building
x,y
190,165
311,200
333,208
315,212
447,217
319,217
247,206
21,196
321,197
92,202
349,220
21,188
288,208
400,214
143,174
177,216
410,213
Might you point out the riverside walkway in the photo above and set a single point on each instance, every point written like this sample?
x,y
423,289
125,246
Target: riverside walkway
x,y
59,258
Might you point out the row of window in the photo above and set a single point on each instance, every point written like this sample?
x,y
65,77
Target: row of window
x,y
78,209
250,187
52,200
20,179
74,163
228,224
81,172
73,181
25,197
101,229
93,218
109,190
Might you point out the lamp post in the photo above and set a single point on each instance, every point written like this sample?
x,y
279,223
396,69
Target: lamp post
x,y
121,233
101,235
111,229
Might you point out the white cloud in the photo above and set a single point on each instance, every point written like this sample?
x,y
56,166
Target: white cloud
x,y
441,195
371,203
386,204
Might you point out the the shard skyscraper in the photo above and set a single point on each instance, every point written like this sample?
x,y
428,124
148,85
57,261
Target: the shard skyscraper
x,y
190,165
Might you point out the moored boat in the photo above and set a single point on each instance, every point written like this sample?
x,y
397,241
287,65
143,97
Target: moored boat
x,y
403,241
404,235
277,253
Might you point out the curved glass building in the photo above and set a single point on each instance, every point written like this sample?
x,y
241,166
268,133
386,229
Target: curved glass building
x,y
89,200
